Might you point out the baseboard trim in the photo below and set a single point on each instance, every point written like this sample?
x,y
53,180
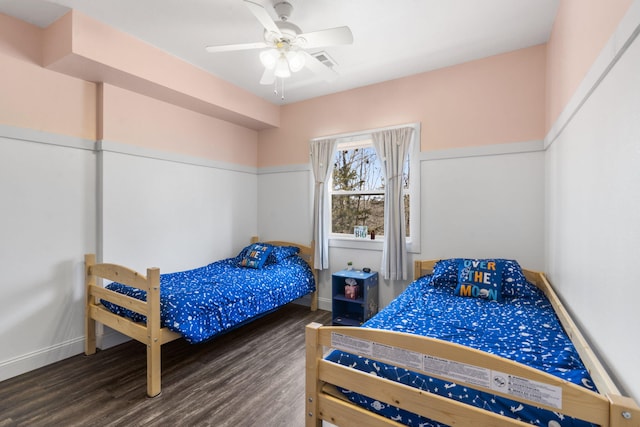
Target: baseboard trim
x,y
37,359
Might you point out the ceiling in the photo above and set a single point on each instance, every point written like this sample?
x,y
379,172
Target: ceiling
x,y
392,38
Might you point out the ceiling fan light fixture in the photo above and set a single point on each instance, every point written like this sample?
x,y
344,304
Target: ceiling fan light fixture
x,y
269,58
296,60
282,68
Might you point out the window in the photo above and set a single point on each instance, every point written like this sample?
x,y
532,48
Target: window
x,y
357,189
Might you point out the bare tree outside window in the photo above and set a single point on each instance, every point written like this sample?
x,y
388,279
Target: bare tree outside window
x,y
357,192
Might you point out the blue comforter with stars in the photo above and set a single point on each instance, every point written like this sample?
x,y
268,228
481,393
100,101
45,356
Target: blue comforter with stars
x,y
523,327
203,302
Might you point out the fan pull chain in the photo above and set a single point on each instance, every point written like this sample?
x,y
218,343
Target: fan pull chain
x,y
275,88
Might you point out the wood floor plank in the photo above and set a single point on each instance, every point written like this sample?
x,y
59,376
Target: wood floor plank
x,y
253,376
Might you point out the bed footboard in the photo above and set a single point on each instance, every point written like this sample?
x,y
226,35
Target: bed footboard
x,y
324,402
151,334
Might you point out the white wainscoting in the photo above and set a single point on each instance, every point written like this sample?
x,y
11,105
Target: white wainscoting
x,y
593,204
47,223
476,202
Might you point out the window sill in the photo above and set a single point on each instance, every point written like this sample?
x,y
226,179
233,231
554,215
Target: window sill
x,y
346,242
353,243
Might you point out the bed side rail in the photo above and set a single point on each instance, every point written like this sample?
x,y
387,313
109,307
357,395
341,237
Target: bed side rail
x,y
598,373
624,410
420,352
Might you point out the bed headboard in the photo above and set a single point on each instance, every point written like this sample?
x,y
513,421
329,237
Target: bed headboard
x,y
421,268
306,252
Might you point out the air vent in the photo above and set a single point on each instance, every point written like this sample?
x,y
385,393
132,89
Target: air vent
x,y
324,58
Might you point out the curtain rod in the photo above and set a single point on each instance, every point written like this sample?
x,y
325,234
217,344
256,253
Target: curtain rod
x,y
362,132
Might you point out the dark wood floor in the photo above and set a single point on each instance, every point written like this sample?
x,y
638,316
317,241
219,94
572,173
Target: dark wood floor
x,y
253,376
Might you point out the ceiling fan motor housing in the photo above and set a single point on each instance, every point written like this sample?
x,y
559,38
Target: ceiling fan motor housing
x,y
283,10
288,30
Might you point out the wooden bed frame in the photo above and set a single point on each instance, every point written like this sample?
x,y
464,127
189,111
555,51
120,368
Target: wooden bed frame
x,y
325,402
152,333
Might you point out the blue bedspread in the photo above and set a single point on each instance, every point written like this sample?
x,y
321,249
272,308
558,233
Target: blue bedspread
x,y
206,301
523,328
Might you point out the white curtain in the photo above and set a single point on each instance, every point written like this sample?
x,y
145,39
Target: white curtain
x,y
392,147
321,162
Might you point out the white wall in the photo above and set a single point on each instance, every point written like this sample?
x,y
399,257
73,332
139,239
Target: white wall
x,y
285,203
142,208
47,223
593,206
176,213
485,203
475,202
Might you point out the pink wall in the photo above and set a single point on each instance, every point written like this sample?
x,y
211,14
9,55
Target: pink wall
x,y
495,100
135,119
34,98
581,30
85,48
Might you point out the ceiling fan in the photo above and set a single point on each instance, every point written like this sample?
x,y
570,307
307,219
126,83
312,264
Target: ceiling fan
x,y
285,45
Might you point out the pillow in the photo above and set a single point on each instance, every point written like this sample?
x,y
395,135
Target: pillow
x,y
480,278
280,253
445,273
255,255
244,252
514,282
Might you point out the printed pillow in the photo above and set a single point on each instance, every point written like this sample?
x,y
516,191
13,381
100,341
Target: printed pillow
x,y
244,252
480,278
280,253
514,282
445,273
255,256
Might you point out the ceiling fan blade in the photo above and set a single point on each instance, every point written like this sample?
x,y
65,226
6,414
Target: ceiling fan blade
x,y
268,77
312,63
322,38
261,14
231,47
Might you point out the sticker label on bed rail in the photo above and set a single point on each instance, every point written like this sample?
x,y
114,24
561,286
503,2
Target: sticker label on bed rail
x,y
527,389
457,371
354,345
388,353
400,356
518,387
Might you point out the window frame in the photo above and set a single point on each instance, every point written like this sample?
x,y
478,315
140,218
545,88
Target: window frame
x,y
413,241
365,142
